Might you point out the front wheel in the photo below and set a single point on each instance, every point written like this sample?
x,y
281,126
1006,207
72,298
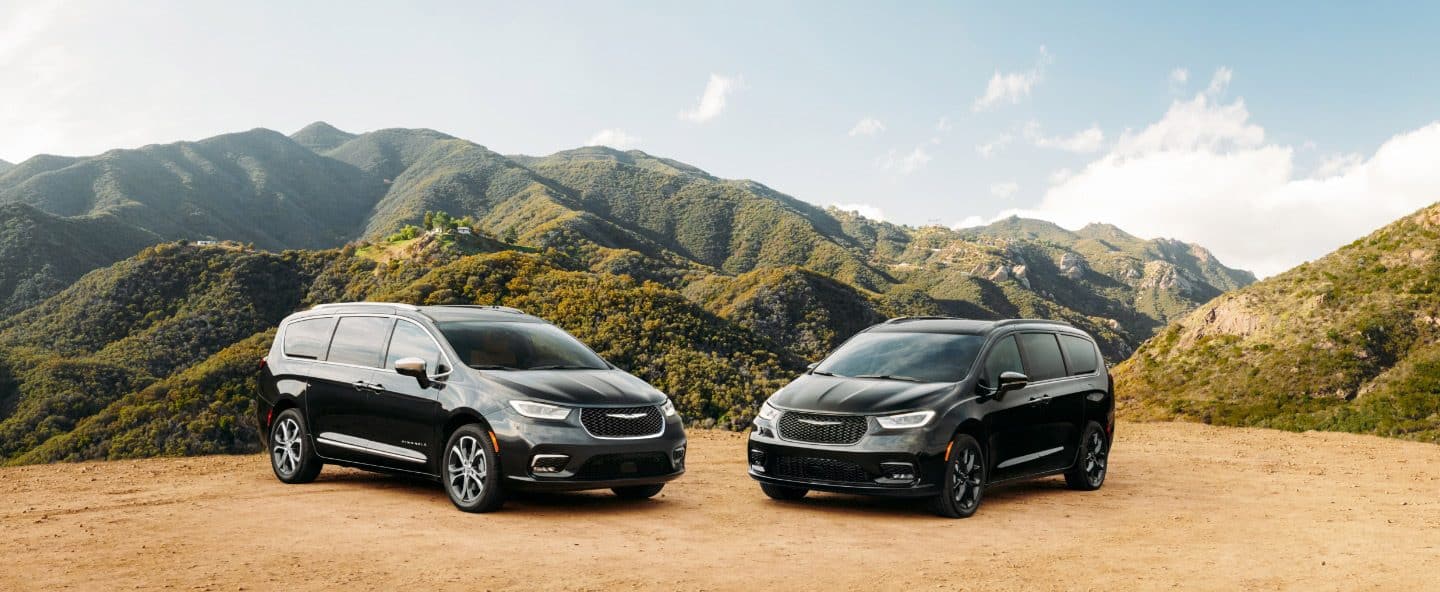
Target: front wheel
x,y
783,493
291,455
1088,474
472,471
638,492
964,479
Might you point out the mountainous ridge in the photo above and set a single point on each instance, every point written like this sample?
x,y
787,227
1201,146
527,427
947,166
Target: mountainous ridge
x,y
1348,342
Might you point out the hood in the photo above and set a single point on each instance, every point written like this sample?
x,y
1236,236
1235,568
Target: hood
x,y
577,387
836,394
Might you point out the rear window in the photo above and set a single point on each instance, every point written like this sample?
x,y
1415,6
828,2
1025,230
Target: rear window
x,y
1042,356
359,341
308,338
1081,354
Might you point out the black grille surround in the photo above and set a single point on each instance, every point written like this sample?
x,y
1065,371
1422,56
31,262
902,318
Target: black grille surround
x,y
625,466
815,428
623,422
818,469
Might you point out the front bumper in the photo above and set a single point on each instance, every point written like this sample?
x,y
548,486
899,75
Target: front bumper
x,y
878,454
590,462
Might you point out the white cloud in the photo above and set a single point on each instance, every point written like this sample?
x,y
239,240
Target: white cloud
x,y
868,126
969,222
1179,76
1337,165
905,163
1013,86
992,147
1204,173
1061,176
866,210
614,138
1087,140
1219,82
712,101
944,126
1005,190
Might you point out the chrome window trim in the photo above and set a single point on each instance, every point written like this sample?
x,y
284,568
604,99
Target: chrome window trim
x,y
286,327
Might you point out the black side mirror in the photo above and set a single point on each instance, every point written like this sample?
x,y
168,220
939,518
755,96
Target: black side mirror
x,y
413,367
1011,381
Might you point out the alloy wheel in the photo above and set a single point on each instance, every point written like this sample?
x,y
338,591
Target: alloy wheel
x,y
1095,458
965,479
286,450
466,469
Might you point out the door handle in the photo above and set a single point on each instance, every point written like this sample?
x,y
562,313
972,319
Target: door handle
x,y
367,386
1043,397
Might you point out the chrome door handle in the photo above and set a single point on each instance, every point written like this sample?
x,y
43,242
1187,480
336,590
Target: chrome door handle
x,y
369,386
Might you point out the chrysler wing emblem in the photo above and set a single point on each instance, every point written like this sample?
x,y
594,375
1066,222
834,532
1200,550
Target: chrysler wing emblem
x,y
625,415
819,422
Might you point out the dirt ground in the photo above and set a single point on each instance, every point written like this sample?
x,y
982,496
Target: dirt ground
x,y
1185,506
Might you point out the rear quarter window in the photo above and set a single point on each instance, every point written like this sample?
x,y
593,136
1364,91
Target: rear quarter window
x,y
308,338
1080,352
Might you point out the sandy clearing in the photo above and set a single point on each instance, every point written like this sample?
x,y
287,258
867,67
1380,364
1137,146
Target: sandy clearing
x,y
1185,506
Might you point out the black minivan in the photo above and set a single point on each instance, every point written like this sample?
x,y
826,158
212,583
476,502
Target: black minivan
x,y
940,408
484,399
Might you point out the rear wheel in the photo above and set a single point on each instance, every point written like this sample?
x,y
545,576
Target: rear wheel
x,y
291,455
638,492
472,471
964,479
1088,474
783,493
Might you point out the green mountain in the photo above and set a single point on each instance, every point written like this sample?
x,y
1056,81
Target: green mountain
x,y
321,136
41,254
1349,342
5,167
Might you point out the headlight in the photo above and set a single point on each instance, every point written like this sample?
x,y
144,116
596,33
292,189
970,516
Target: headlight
x,y
540,410
768,412
667,408
905,420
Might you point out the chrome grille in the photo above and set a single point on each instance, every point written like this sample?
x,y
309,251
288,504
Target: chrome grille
x,y
822,429
623,422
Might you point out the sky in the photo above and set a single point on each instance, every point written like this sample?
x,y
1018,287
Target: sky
x,y
1268,134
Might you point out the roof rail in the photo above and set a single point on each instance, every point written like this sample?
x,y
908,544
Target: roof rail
x,y
386,304
1002,323
486,307
919,318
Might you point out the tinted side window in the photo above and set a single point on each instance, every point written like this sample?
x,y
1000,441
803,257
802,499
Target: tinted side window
x,y
308,338
359,340
1042,353
1081,354
410,341
1004,357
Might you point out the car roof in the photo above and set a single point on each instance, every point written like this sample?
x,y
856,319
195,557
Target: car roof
x,y
437,313
962,326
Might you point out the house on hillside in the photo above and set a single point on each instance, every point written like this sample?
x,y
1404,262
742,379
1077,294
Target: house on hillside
x,y
206,243
465,230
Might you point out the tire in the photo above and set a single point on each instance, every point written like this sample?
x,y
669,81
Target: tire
x,y
292,456
783,493
1091,464
638,492
965,476
470,471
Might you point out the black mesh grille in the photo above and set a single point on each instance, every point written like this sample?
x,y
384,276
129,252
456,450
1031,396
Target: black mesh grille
x,y
623,422
623,466
822,429
818,469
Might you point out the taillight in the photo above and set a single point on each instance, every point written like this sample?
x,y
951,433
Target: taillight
x,y
263,363
269,415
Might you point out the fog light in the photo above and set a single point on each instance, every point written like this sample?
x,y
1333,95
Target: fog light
x,y
678,455
548,464
899,472
757,460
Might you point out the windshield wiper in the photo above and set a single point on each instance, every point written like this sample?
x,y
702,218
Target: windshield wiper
x,y
492,367
822,372
890,377
562,367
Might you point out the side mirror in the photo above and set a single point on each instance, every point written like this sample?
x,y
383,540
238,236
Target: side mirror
x,y
413,367
1011,381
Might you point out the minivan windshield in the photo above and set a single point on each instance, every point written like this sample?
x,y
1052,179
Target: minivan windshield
x,y
914,357
508,345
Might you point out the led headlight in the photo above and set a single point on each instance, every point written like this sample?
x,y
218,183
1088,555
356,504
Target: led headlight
x,y
667,408
540,410
768,412
913,419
